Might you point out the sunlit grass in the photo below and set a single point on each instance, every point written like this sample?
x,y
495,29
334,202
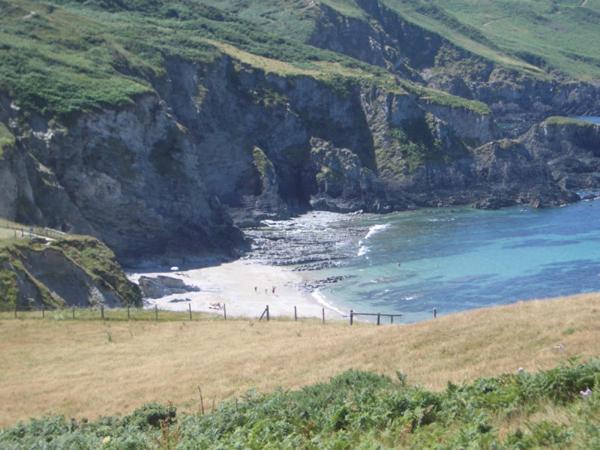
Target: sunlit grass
x,y
140,361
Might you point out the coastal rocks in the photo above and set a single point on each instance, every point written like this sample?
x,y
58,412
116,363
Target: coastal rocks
x,y
134,162
224,144
313,285
162,286
382,36
342,184
311,241
571,149
66,272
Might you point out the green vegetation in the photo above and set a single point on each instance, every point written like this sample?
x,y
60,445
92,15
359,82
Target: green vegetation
x,y
101,264
414,144
552,409
561,120
261,162
87,253
73,56
6,139
533,36
70,56
135,313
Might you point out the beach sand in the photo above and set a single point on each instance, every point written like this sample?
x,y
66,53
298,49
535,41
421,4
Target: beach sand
x,y
233,284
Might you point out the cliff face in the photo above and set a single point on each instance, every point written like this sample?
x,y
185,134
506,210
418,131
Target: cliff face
x,y
222,140
571,149
65,272
384,38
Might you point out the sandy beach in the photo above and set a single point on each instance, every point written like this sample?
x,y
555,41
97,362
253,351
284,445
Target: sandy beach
x,y
234,283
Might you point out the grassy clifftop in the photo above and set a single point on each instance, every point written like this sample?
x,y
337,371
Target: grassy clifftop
x,y
69,56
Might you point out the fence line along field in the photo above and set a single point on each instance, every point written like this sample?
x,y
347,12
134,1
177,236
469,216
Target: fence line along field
x,y
92,368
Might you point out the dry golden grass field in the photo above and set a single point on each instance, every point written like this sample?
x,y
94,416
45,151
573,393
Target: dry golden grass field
x,y
92,368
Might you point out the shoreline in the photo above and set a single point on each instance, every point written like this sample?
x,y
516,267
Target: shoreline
x,y
245,287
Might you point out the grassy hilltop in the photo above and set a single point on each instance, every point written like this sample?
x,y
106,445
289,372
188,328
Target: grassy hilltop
x,y
129,364
67,56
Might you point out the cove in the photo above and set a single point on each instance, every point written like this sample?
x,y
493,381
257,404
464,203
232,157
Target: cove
x,y
461,258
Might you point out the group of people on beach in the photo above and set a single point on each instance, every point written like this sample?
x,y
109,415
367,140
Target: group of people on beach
x,y
273,290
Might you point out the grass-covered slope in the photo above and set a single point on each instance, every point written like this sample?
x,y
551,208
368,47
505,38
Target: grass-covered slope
x,y
66,56
73,56
169,359
534,36
552,409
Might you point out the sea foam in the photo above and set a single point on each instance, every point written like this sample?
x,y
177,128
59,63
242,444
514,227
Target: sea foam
x,y
363,249
322,300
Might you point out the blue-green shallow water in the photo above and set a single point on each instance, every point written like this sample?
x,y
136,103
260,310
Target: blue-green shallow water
x,y
458,259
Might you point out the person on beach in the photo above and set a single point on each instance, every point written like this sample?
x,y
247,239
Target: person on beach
x,y
256,289
266,292
273,290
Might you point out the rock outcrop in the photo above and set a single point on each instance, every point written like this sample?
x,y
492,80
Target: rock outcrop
x,y
161,286
383,37
74,271
166,174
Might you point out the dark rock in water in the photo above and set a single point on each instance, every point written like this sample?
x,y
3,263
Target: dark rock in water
x,y
309,242
311,286
161,286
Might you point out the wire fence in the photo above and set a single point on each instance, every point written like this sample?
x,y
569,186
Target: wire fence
x,y
156,314
12,230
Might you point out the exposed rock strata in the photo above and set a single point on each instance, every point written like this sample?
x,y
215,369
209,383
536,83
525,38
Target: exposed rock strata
x,y
79,272
164,175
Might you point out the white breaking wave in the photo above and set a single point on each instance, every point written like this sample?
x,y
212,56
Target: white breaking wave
x,y
364,249
376,229
319,297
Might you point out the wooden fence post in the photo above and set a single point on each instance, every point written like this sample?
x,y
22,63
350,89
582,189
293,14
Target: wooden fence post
x,y
378,318
73,313
190,310
156,312
392,319
102,311
295,314
43,311
128,313
224,311
351,317
434,313
323,314
268,316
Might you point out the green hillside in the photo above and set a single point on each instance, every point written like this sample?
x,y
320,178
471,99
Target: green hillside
x,y
552,35
70,56
534,35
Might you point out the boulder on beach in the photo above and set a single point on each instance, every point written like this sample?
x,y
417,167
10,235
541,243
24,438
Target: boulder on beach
x,y
161,286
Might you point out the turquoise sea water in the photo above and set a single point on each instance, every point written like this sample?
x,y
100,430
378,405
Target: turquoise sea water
x,y
458,259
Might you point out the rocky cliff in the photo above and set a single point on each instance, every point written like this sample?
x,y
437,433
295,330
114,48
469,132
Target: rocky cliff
x,y
72,271
518,99
164,174
208,143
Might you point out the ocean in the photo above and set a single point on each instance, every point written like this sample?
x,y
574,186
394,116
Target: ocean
x,y
451,259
